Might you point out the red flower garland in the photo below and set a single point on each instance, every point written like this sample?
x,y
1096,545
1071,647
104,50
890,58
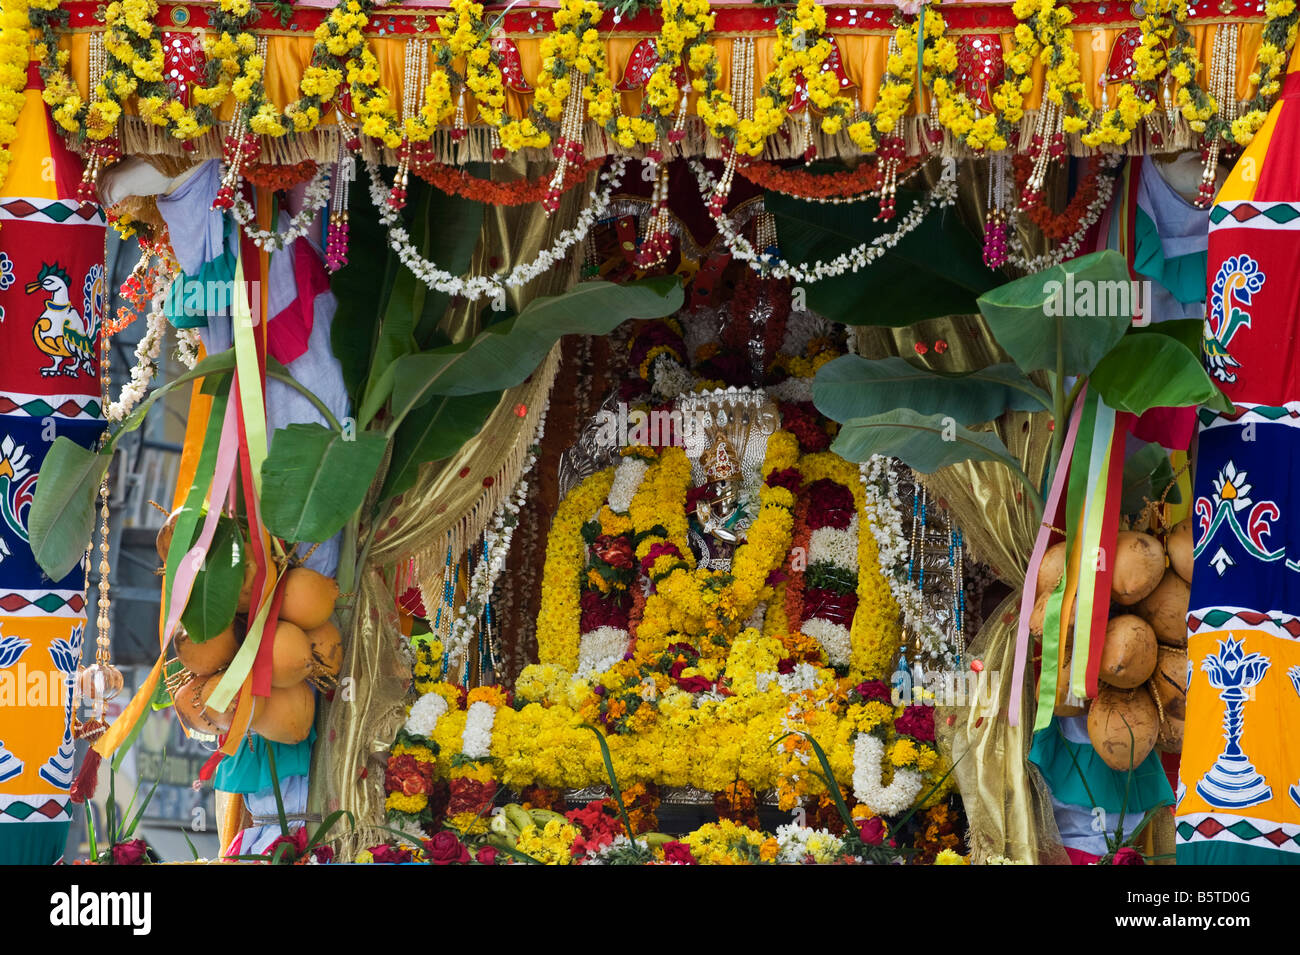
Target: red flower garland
x,y
455,181
276,177
1060,226
801,184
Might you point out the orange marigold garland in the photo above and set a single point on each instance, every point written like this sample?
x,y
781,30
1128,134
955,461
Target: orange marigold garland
x,y
864,180
276,177
1060,226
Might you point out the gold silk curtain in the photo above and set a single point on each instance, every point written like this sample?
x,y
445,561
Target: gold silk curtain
x,y
1006,802
449,506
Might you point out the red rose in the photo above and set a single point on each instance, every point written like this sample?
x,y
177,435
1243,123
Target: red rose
x,y
679,852
615,551
1128,856
874,690
297,844
830,504
916,722
695,684
390,855
788,478
872,831
486,855
445,849
130,853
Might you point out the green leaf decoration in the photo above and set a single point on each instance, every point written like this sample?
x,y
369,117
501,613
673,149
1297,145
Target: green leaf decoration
x,y
1154,371
1189,331
1065,318
215,597
855,387
936,270
434,432
924,442
62,518
505,354
1147,472
314,479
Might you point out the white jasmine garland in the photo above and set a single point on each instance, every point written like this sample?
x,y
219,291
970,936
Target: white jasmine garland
x,y
424,715
804,676
487,286
885,519
669,379
834,638
315,197
476,740
868,757
627,478
498,537
944,194
146,352
187,346
1070,247
600,649
792,389
797,843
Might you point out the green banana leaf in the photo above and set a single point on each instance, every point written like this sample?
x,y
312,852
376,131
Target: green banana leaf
x,y
434,432
925,443
62,518
1145,371
506,353
1147,472
215,597
1037,320
1189,331
855,387
936,270
315,478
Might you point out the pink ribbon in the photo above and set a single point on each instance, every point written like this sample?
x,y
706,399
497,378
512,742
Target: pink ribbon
x,y
1028,596
222,475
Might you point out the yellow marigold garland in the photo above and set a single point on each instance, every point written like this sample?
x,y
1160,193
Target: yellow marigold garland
x,y
14,53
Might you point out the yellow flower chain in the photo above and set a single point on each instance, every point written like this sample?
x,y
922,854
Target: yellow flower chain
x,y
14,53
560,614
955,110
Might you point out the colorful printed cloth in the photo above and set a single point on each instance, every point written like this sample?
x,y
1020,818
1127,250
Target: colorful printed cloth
x,y
1239,786
52,301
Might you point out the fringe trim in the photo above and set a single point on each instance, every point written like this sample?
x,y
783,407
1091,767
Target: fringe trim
x,y
323,143
431,561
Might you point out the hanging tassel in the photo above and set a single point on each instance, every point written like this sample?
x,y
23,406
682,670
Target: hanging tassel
x,y
210,766
87,781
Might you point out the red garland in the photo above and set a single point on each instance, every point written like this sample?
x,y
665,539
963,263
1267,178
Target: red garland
x,y
455,181
267,175
801,184
1060,226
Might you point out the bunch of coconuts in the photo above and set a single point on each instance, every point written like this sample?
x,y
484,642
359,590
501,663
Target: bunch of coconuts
x,y
1143,698
307,651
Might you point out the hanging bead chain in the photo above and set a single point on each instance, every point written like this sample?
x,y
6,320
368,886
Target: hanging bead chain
x,y
1223,80
995,223
336,238
765,232
569,147
100,154
955,565
1048,143
677,135
742,96
446,604
414,70
809,144
657,242
892,149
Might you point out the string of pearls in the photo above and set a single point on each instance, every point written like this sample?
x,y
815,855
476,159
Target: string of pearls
x,y
477,287
314,200
944,194
1070,247
498,536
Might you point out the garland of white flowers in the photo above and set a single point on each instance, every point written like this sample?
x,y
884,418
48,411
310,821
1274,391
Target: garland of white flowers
x,y
314,199
1067,250
485,286
868,757
498,536
146,350
884,512
424,715
944,194
476,738
188,342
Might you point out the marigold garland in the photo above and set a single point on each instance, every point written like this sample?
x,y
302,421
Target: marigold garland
x,y
864,179
14,53
1060,226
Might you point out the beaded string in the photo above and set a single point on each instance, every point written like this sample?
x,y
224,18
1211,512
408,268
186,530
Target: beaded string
x,y
446,602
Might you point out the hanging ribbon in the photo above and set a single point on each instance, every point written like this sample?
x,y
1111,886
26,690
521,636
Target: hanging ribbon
x,y
1094,558
1106,543
1027,596
1060,606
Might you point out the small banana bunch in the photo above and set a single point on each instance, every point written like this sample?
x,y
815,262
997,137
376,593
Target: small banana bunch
x,y
506,826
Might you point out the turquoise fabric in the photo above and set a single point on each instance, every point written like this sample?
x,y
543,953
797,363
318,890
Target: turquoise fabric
x,y
1051,754
249,771
1231,853
1183,276
33,843
192,298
